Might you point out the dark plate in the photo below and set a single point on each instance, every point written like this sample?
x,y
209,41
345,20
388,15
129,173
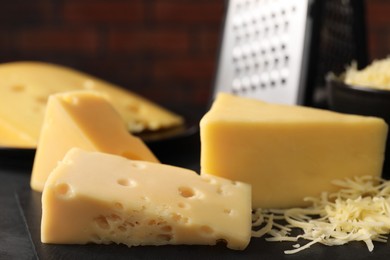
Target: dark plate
x,y
10,156
16,157
357,99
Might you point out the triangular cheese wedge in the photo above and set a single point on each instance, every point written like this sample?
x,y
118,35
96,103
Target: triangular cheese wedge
x,y
26,86
288,152
103,198
87,120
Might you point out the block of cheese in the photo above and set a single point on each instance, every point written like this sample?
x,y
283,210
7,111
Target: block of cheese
x,y
26,86
93,197
287,152
87,120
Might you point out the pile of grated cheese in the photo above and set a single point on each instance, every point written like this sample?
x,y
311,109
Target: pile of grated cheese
x,y
376,75
359,211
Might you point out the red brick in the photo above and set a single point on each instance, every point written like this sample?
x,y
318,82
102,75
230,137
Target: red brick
x,y
24,12
150,41
100,11
183,95
57,40
193,12
374,42
207,41
378,13
192,68
5,40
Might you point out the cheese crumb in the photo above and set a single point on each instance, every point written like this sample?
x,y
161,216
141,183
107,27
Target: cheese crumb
x,y
359,211
376,75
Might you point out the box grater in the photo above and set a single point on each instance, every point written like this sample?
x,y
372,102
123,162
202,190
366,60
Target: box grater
x,y
264,50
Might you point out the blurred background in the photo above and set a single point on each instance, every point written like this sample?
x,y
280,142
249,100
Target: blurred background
x,y
166,50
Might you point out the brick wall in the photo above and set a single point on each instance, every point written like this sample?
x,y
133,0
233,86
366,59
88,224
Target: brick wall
x,y
163,49
378,27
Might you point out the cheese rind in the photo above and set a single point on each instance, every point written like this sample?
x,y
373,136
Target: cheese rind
x,y
287,152
26,86
103,198
87,120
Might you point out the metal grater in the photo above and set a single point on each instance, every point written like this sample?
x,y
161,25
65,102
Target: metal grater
x,y
263,50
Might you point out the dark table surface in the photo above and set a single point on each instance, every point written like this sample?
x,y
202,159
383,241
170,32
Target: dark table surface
x,y
20,220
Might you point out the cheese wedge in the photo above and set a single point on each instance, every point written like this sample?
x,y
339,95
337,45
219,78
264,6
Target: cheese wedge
x,y
93,197
87,120
26,86
287,152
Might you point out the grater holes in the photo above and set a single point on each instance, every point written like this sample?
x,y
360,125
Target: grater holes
x,y
286,58
283,81
261,44
246,83
255,82
236,85
293,9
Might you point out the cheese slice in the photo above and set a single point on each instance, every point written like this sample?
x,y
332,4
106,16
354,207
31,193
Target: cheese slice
x,y
26,86
287,152
92,197
87,120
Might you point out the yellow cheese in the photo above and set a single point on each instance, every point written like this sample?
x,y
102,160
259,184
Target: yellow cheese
x,y
87,120
287,152
103,198
26,86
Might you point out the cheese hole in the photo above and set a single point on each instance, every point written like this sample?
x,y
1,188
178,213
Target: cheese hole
x,y
176,217
114,218
18,88
118,205
166,228
138,165
206,180
209,180
127,182
131,224
164,237
63,189
102,222
206,229
221,190
221,241
227,211
182,205
186,192
122,228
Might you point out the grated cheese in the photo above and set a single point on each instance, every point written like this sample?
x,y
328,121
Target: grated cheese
x,y
359,211
376,75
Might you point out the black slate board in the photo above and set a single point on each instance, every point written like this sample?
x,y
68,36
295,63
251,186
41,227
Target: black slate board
x,y
30,205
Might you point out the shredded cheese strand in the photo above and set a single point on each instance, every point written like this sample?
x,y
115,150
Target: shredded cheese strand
x,y
359,211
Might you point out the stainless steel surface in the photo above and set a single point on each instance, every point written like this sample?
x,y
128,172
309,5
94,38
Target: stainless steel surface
x,y
263,49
